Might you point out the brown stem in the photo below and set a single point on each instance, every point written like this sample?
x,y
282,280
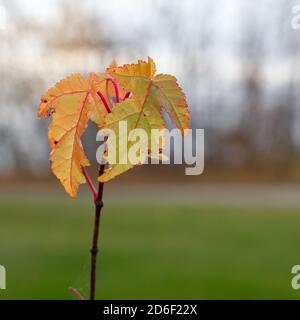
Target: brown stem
x,y
98,206
94,249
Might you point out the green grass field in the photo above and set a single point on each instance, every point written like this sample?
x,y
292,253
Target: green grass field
x,y
149,252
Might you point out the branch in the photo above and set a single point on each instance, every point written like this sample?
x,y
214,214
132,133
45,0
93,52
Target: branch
x,y
98,206
94,249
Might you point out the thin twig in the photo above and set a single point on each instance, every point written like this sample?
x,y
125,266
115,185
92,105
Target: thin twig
x,y
94,249
98,206
76,293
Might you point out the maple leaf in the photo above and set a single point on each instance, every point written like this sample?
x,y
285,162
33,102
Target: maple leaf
x,y
151,95
71,103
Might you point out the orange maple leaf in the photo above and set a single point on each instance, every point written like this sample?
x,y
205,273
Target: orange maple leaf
x,y
71,103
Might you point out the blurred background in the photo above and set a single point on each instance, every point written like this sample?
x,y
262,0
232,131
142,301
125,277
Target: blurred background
x,y
231,232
